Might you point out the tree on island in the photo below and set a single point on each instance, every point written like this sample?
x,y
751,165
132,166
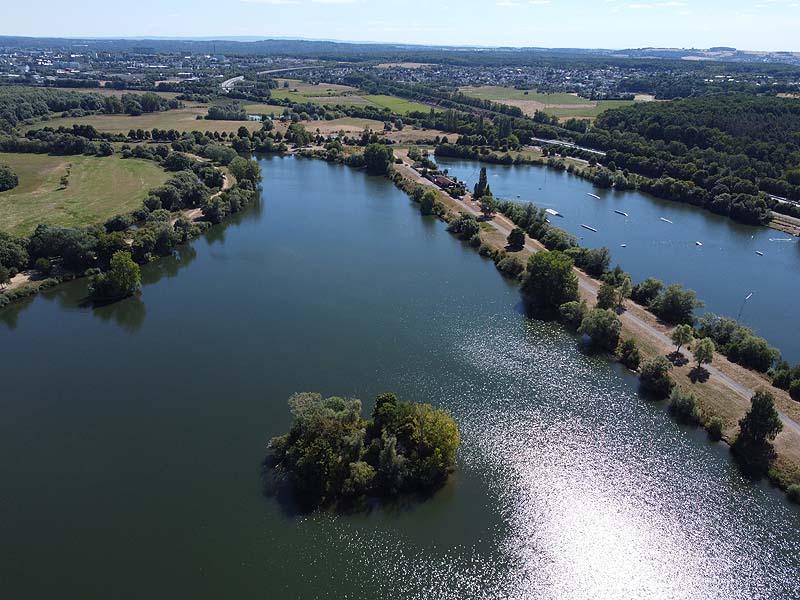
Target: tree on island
x,y
122,279
331,453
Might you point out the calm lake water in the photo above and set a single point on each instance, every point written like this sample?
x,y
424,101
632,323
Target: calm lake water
x,y
723,271
132,436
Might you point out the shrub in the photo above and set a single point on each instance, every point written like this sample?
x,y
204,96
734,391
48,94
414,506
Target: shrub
x,y
794,493
654,377
683,406
516,239
715,427
603,327
43,265
8,179
629,355
475,240
119,223
510,265
794,389
573,313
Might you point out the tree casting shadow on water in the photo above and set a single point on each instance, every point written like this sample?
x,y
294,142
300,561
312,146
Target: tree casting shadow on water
x,y
276,486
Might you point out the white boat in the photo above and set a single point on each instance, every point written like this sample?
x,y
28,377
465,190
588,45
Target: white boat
x,y
589,228
780,239
551,211
666,220
619,212
759,253
593,195
698,243
623,245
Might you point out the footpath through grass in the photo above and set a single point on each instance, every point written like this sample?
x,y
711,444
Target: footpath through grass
x,y
97,189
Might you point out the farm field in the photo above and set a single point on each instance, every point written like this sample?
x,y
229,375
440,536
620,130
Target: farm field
x,y
563,106
398,105
332,94
98,189
348,125
181,119
103,91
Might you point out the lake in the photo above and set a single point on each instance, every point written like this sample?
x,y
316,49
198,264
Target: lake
x,y
723,271
133,435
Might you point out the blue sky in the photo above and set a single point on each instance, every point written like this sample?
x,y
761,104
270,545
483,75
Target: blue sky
x,y
753,25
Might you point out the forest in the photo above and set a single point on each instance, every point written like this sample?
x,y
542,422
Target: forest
x,y
718,152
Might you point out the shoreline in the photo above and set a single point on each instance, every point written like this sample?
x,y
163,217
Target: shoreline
x,y
729,388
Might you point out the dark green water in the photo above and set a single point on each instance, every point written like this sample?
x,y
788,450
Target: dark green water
x,y
132,436
723,271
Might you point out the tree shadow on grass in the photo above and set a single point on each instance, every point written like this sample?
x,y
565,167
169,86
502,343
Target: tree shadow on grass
x,y
699,375
677,359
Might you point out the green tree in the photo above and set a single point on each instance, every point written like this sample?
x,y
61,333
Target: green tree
x,y
676,305
704,352
628,354
4,276
681,335
244,169
488,206
603,327
624,290
483,183
757,429
572,313
378,159
607,295
683,406
122,279
427,203
654,377
8,179
516,239
551,280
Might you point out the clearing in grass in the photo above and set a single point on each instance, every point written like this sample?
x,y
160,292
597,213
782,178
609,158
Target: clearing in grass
x,y
96,189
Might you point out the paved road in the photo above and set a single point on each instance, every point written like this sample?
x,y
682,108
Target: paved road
x,y
589,285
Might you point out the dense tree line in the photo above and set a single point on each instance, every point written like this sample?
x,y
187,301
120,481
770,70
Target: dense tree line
x,y
717,152
8,178
331,453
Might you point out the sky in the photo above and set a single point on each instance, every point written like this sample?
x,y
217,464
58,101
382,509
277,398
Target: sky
x,y
745,24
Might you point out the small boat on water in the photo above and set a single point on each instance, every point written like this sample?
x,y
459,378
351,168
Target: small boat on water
x,y
589,228
666,220
781,239
593,195
698,243
619,212
623,245
759,253
551,211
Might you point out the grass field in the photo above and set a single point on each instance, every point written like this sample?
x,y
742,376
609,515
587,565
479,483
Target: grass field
x,y
98,188
563,106
182,119
347,124
397,105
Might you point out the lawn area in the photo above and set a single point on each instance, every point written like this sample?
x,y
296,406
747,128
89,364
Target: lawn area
x,y
397,105
182,119
98,189
103,91
563,106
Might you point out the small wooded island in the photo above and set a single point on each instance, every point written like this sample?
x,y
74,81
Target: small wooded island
x,y
332,453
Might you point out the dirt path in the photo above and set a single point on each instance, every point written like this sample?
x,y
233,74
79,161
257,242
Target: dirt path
x,y
632,321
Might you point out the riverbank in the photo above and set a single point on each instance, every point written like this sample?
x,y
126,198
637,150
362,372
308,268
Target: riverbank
x,y
727,392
